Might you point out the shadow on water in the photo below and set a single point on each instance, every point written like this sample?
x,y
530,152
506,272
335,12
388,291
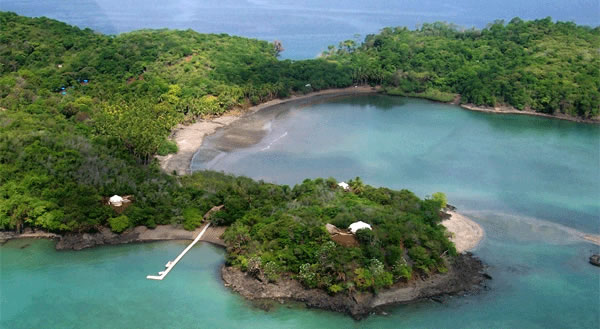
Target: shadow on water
x,y
379,101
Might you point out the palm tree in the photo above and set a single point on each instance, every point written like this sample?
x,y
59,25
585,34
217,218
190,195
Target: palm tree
x,y
357,185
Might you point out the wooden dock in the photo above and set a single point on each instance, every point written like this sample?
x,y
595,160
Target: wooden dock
x,y
170,264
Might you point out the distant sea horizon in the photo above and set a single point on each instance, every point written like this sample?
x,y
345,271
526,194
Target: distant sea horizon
x,y
305,28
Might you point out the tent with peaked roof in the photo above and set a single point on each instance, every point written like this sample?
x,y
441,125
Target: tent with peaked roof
x,y
358,226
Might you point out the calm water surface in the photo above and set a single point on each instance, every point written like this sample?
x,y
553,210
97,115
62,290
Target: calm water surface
x,y
530,182
509,164
307,27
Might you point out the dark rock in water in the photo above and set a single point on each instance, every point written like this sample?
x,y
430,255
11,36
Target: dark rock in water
x,y
437,300
487,276
595,259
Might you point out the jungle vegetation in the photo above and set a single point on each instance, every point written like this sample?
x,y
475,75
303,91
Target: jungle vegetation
x,y
538,65
276,231
82,115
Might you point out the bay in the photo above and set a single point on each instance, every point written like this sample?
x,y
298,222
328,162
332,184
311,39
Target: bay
x,y
514,175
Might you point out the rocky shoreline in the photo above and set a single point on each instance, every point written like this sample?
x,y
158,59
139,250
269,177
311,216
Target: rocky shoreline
x,y
466,275
104,236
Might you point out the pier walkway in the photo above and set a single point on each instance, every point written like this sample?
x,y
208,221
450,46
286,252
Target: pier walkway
x,y
169,266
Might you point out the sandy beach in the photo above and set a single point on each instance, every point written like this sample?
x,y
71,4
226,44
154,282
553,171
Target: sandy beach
x,y
466,234
189,138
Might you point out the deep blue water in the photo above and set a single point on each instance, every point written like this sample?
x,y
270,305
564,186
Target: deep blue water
x,y
305,27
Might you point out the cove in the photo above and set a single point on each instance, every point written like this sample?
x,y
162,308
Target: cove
x,y
509,164
530,182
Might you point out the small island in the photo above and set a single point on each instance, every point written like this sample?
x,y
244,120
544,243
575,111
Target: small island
x,y
346,247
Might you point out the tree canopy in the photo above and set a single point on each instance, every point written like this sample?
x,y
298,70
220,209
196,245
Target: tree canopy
x,y
545,66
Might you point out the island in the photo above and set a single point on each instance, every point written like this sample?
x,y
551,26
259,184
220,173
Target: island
x,y
86,116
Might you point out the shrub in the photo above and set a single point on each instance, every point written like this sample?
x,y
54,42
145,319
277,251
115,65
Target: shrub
x,y
440,198
402,271
119,224
365,236
363,279
307,275
271,271
335,288
167,147
192,218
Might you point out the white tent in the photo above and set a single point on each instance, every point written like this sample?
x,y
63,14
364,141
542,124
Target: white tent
x,y
358,226
116,200
344,185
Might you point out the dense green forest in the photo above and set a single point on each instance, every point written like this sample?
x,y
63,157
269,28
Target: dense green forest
x,y
82,115
277,230
540,65
137,86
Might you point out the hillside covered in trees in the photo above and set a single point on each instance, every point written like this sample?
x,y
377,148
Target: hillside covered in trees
x,y
137,86
82,113
540,65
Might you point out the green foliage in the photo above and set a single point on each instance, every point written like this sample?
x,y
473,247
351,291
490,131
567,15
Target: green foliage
x,y
335,288
440,198
53,175
363,278
192,218
284,231
167,147
87,112
365,236
136,86
540,65
431,94
119,224
401,270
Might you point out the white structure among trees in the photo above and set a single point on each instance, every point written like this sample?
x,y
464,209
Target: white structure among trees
x,y
116,200
344,185
358,226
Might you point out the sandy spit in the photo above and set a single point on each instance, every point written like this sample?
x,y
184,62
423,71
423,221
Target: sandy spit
x,y
466,234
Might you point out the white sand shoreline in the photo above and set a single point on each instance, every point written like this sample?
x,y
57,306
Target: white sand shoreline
x,y
466,234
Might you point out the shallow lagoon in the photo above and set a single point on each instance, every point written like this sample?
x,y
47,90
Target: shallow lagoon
x,y
530,182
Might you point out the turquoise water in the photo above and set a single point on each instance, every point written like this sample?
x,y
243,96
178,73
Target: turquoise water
x,y
531,166
532,183
305,27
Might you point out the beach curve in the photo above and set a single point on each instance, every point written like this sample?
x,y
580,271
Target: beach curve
x,y
189,138
465,233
